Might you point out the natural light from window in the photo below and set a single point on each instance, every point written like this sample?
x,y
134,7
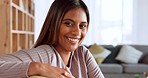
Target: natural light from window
x,y
113,21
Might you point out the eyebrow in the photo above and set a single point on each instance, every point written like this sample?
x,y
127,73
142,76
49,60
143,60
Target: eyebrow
x,y
68,20
73,20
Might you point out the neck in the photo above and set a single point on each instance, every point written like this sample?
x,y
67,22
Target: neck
x,y
65,57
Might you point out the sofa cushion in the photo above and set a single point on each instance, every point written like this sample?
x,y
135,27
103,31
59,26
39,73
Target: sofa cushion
x,y
135,68
144,59
111,68
129,54
114,52
142,48
99,53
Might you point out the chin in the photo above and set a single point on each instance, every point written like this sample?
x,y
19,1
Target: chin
x,y
73,48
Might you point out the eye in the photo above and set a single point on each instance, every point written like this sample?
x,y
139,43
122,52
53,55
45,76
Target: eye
x,y
83,26
67,23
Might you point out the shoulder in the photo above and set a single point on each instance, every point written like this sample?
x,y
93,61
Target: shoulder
x,y
82,50
46,48
40,50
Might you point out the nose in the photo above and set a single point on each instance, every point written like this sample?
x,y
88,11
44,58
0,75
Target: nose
x,y
76,30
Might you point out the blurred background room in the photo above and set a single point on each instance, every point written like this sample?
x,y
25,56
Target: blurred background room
x,y
117,35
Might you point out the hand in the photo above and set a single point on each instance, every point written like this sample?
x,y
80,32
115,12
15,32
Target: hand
x,y
40,69
68,75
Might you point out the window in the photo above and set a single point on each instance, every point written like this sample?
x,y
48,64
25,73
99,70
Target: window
x,y
111,21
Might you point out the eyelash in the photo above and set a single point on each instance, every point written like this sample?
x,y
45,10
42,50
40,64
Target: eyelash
x,y
83,26
70,24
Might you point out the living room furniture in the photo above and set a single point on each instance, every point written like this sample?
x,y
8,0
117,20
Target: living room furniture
x,y
16,25
113,68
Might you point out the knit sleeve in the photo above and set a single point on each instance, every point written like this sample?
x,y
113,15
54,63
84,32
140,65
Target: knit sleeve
x,y
16,65
13,69
92,67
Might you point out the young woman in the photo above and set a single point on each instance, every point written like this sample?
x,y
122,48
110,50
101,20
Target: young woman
x,y
57,52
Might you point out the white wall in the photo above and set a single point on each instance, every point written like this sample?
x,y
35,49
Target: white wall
x,y
41,9
142,22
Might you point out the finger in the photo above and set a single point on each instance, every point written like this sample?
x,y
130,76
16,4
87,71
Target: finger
x,y
67,69
67,74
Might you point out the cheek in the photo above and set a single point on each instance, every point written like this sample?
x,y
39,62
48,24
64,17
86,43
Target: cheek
x,y
82,36
84,33
63,30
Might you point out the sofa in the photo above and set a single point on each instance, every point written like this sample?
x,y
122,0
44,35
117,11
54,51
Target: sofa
x,y
115,68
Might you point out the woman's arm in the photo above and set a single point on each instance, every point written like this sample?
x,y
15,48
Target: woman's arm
x,y
30,62
93,69
13,70
12,66
44,70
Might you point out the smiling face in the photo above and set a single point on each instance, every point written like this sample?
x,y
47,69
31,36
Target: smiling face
x,y
72,31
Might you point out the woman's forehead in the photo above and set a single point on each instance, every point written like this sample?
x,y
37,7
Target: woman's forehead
x,y
76,14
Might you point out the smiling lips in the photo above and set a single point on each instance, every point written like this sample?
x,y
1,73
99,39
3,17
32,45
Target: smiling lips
x,y
73,40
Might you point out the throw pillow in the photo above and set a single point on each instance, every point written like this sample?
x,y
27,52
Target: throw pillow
x,y
99,53
129,54
114,52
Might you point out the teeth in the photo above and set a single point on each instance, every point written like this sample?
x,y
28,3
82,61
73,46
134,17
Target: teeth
x,y
74,40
